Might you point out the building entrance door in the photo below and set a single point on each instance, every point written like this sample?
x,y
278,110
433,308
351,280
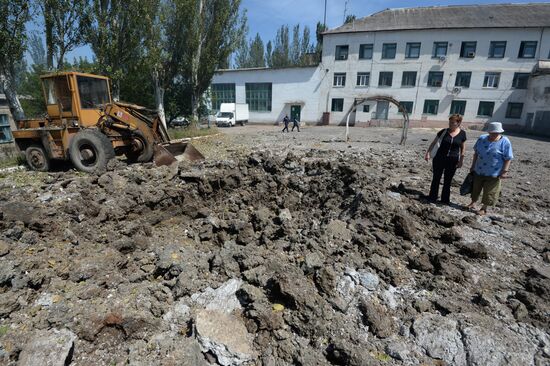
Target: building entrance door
x,y
382,109
295,111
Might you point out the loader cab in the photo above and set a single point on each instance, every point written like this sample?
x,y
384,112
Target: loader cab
x,y
75,96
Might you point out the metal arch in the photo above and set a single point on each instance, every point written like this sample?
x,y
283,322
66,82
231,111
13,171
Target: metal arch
x,y
384,98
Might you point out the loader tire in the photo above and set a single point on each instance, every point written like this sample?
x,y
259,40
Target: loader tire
x,y
37,158
142,151
90,151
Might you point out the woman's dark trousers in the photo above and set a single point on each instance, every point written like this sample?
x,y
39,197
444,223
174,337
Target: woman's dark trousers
x,y
443,166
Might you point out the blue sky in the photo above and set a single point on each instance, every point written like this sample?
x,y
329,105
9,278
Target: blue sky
x,y
266,16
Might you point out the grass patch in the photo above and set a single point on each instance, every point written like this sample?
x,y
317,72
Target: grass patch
x,y
180,133
12,161
3,330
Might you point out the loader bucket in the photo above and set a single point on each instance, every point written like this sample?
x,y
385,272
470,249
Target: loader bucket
x,y
166,154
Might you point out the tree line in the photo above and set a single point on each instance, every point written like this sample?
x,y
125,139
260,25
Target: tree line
x,y
158,53
284,51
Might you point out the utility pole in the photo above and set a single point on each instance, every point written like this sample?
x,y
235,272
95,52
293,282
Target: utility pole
x,y
325,17
345,11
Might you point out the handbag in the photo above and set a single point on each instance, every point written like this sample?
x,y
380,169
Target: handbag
x,y
434,149
467,185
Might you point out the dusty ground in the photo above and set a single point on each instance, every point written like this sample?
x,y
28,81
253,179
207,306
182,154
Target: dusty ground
x,y
279,249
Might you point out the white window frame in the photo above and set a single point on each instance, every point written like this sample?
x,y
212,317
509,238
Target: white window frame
x,y
363,79
491,80
339,80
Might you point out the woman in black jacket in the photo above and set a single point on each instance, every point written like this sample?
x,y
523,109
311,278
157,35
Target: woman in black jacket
x,y
449,157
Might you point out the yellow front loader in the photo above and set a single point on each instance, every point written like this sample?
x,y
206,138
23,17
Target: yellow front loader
x,y
85,126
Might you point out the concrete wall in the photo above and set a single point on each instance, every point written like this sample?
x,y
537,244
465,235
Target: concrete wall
x,y
290,86
7,150
478,65
537,105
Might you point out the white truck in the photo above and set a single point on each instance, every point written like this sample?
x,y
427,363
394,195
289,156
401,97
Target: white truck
x,y
232,113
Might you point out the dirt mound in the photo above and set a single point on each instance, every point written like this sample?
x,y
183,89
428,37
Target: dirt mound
x,y
303,259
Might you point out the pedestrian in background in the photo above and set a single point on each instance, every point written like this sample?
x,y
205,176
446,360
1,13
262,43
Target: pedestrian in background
x,y
491,163
295,123
286,121
449,157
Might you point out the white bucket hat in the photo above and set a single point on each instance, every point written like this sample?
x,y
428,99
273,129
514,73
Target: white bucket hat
x,y
495,127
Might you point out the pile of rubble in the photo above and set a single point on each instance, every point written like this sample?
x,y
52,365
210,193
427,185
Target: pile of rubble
x,y
312,259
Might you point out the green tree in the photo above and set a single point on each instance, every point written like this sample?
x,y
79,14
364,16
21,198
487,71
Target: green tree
x,y
306,49
14,14
212,33
250,54
37,50
115,34
281,55
319,35
257,57
164,45
65,23
295,48
242,55
33,104
286,53
350,19
269,54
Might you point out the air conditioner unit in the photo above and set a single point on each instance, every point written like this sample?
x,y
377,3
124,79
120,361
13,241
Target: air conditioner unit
x,y
471,54
456,90
442,58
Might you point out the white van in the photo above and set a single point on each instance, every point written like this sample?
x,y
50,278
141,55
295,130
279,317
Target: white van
x,y
232,113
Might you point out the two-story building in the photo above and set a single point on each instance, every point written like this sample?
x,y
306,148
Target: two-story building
x,y
478,61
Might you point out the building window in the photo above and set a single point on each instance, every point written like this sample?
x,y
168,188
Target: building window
x,y
340,79
408,79
385,78
463,79
485,109
337,105
408,106
365,51
363,78
435,78
258,96
412,50
520,80
527,49
440,49
468,49
5,131
366,108
342,52
497,49
491,80
222,93
458,107
388,50
514,110
430,106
